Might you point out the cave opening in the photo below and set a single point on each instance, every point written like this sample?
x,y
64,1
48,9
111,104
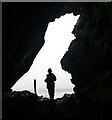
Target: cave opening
x,y
58,37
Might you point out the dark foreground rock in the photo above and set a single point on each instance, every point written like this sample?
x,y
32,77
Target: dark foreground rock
x,y
26,105
88,59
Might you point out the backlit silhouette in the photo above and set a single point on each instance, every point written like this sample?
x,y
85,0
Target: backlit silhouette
x,y
50,83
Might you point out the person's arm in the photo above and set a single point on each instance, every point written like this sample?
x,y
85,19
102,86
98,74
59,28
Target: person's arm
x,y
45,80
54,77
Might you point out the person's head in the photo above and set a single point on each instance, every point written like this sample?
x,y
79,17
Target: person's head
x,y
49,70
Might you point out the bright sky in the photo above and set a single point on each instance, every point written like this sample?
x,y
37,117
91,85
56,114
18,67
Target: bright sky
x,y
57,40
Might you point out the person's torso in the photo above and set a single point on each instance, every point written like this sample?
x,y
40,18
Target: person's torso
x,y
51,78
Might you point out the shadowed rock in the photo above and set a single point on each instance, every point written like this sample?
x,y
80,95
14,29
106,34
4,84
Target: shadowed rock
x,y
88,58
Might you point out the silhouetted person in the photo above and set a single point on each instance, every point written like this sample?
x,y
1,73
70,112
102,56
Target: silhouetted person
x,y
50,83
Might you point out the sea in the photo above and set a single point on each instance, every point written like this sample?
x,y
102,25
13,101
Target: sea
x,y
58,92
44,92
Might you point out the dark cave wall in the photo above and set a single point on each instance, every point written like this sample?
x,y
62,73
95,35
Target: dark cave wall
x,y
24,26
88,58
90,54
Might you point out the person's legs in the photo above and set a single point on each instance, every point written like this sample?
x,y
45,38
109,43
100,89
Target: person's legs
x,y
51,93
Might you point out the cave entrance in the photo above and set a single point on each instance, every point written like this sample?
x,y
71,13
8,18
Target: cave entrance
x,y
57,40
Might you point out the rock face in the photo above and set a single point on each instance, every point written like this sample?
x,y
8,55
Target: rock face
x,y
24,27
90,54
89,58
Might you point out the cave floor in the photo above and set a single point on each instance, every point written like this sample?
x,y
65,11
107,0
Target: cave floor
x,y
30,106
33,107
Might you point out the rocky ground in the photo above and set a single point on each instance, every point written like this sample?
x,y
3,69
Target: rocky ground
x,y
26,105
